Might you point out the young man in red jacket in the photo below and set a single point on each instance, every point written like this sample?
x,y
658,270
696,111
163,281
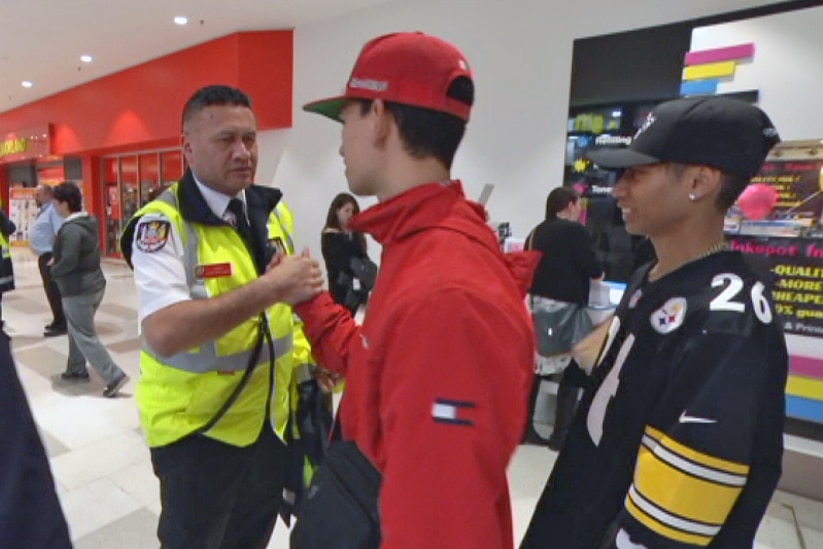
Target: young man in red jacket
x,y
439,374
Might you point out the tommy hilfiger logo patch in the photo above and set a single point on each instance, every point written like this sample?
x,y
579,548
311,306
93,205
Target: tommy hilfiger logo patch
x,y
454,412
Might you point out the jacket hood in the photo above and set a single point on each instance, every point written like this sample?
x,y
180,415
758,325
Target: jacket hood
x,y
440,205
84,221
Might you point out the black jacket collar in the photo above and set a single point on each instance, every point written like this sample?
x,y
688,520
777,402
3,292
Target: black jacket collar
x,y
260,201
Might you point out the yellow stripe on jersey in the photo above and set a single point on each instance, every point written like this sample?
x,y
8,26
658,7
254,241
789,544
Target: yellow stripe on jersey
x,y
698,457
648,520
680,489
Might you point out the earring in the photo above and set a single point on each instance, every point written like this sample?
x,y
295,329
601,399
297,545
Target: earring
x,y
692,197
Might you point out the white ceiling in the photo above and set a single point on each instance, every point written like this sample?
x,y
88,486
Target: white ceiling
x,y
42,40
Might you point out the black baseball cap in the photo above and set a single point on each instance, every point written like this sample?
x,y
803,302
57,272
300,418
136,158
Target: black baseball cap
x,y
728,134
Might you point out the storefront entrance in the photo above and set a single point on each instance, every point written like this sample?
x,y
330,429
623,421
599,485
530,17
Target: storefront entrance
x,y
127,181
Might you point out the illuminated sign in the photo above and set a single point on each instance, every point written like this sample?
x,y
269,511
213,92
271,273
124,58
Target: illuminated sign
x,y
13,146
25,144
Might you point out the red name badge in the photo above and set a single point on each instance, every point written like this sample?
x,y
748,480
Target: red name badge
x,y
215,270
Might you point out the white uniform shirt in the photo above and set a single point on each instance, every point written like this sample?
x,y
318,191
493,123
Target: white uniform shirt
x,y
159,274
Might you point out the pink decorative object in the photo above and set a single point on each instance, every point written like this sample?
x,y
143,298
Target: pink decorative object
x,y
757,201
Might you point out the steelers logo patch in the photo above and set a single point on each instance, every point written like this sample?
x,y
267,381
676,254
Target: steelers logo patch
x,y
670,316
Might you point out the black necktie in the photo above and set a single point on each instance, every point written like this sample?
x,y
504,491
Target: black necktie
x,y
240,221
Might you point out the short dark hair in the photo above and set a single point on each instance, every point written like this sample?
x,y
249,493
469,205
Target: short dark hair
x,y
427,132
209,96
558,200
731,185
70,194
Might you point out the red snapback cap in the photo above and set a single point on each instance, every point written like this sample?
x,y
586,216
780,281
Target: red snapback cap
x,y
409,68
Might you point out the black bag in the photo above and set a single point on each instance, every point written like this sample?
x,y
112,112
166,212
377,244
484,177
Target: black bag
x,y
365,270
340,508
313,422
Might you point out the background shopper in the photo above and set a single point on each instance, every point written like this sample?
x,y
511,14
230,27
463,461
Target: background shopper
x,y
41,242
76,269
341,246
566,269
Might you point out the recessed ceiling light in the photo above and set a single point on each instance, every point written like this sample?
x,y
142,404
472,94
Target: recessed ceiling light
x,y
181,20
86,58
26,84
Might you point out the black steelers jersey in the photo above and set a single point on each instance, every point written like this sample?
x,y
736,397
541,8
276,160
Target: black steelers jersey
x,y
678,443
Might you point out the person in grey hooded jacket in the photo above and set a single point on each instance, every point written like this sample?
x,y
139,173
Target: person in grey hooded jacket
x,y
76,270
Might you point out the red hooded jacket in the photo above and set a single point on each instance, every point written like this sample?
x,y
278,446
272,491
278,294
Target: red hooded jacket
x,y
439,375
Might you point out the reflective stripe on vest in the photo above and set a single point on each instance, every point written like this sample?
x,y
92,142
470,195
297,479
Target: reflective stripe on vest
x,y
289,240
205,358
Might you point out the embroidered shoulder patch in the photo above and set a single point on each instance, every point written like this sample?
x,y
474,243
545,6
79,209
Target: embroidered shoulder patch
x,y
152,235
454,412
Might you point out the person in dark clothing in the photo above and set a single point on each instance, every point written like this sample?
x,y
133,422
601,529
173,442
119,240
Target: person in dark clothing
x,y
42,234
30,513
76,269
678,440
567,267
339,245
7,228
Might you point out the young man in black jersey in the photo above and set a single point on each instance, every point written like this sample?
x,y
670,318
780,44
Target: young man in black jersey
x,y
679,442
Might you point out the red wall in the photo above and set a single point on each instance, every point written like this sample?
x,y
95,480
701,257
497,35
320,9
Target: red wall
x,y
139,108
142,105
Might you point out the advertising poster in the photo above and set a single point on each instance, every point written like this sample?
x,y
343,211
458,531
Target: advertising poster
x,y
779,228
23,212
796,267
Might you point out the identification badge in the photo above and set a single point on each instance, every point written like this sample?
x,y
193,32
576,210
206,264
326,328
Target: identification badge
x,y
277,246
215,270
355,284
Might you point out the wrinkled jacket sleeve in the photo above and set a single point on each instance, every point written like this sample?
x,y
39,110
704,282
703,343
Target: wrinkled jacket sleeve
x,y
453,395
332,329
302,355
